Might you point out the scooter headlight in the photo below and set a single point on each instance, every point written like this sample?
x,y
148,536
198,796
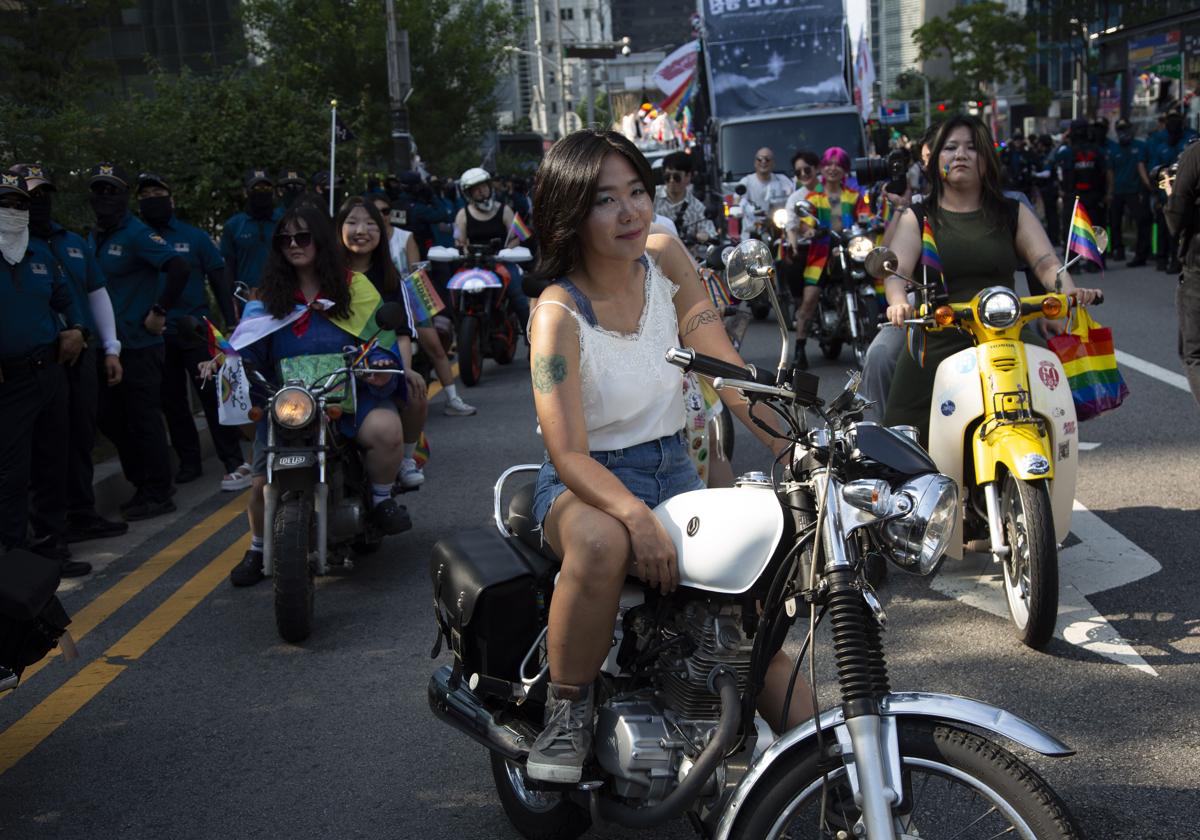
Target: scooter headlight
x,y
293,408
999,307
919,539
779,217
859,247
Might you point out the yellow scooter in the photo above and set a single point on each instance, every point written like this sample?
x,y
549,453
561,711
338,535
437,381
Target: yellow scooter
x,y
1002,423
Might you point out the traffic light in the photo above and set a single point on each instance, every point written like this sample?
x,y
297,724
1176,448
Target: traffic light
x,y
942,107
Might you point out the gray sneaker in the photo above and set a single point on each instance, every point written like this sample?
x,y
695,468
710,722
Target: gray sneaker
x,y
455,407
566,742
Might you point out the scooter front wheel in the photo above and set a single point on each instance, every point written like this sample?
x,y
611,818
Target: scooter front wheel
x,y
954,783
293,573
1031,567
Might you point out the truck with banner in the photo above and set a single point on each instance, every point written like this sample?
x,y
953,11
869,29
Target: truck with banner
x,y
776,74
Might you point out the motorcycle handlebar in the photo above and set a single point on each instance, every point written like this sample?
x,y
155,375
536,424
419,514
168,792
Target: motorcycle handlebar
x,y
690,360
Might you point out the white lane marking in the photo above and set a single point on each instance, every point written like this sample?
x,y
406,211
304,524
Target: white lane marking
x,y
1102,560
1084,447
1178,380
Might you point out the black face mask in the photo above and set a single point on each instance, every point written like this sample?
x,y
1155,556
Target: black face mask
x,y
291,193
260,204
39,214
109,209
1124,137
156,210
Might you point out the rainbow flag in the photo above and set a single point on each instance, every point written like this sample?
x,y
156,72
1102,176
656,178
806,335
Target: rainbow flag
x,y
217,343
718,292
1083,238
780,252
421,453
929,251
818,255
519,229
423,296
675,103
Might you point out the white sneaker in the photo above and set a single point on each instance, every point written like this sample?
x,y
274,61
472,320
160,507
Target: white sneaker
x,y
410,474
456,407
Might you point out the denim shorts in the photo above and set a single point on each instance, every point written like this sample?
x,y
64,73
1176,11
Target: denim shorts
x,y
653,471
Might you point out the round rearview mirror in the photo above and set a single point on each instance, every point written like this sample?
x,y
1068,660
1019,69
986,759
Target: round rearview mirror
x,y
881,262
1101,239
747,269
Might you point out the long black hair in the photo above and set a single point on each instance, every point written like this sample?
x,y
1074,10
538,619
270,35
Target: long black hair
x,y
279,281
992,198
565,190
383,271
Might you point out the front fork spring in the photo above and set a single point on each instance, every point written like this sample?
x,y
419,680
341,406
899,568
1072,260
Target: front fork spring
x,y
858,649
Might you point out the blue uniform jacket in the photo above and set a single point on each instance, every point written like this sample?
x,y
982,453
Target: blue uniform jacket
x,y
1123,161
197,247
82,270
33,295
131,257
245,243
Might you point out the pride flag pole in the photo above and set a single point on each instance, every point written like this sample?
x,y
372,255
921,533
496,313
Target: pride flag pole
x,y
332,149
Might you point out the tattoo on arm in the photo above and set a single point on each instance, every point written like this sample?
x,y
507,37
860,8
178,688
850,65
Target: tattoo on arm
x,y
548,371
698,320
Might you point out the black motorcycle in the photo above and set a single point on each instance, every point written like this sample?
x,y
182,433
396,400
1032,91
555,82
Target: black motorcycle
x,y
675,730
487,322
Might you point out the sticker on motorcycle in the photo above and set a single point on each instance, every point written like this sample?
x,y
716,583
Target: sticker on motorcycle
x,y
948,408
1048,373
1059,412
1036,464
967,363
1064,450
1069,427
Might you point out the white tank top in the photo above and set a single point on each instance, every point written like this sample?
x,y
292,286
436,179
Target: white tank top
x,y
631,394
398,245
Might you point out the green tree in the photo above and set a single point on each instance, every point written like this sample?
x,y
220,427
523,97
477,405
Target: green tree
x,y
987,46
338,50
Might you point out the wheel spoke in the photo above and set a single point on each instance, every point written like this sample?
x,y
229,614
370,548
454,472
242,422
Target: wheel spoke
x,y
974,822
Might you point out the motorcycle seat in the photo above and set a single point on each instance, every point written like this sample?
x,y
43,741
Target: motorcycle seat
x,y
521,522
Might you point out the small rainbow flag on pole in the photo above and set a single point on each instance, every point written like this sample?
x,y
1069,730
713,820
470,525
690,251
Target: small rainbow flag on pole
x,y
519,229
1082,239
217,343
929,251
780,252
421,453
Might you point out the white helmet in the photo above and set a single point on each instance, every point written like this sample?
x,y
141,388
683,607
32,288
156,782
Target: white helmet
x,y
473,177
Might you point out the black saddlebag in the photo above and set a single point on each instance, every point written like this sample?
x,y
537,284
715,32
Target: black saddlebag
x,y
491,596
31,617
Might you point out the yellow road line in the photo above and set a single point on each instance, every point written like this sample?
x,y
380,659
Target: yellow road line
x,y
123,591
42,720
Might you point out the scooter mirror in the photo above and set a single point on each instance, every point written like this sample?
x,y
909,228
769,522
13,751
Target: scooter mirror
x,y
747,269
881,262
390,316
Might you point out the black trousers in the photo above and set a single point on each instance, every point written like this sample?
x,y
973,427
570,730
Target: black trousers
x,y
179,366
33,417
1136,205
1168,245
131,417
1187,299
82,402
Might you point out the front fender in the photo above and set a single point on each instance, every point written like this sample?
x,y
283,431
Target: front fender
x,y
909,704
1023,449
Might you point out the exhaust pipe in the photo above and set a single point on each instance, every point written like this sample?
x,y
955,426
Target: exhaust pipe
x,y
462,710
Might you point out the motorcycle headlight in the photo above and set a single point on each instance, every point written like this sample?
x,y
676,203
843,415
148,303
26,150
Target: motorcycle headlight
x,y
859,247
999,307
919,538
293,408
779,217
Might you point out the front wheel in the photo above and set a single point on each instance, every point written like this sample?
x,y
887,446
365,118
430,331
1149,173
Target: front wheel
x,y
955,784
293,572
470,351
536,814
1031,567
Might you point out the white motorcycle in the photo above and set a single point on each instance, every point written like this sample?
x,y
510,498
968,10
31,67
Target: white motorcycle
x,y
675,731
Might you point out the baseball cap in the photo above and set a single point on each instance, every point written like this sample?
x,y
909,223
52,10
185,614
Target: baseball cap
x,y
11,182
108,173
256,176
145,179
290,176
33,173
1122,124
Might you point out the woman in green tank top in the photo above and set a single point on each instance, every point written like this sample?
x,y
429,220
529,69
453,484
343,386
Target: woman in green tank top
x,y
973,225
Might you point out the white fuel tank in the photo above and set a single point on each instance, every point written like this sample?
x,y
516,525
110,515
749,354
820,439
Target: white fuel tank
x,y
724,537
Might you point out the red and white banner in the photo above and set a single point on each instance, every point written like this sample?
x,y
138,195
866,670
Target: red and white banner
x,y
864,76
676,71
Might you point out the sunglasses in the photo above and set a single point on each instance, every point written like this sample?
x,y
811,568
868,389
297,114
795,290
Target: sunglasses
x,y
299,239
764,159
804,171
673,176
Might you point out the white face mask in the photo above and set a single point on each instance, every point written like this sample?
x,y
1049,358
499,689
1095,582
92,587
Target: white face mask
x,y
14,234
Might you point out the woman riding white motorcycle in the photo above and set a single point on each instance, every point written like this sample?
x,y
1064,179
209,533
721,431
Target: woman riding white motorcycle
x,y
610,414
979,246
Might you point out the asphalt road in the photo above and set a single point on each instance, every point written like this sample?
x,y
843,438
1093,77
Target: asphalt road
x,y
185,716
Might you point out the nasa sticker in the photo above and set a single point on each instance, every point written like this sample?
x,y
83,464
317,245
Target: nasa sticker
x,y
948,407
1036,464
693,526
1048,373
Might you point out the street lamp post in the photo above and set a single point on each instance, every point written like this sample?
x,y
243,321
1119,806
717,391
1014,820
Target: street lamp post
x,y
509,48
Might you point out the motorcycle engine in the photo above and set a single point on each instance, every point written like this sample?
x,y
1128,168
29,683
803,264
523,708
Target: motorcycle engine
x,y
647,743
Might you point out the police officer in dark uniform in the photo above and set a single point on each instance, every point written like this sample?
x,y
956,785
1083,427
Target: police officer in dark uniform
x,y
289,186
1127,160
183,354
41,331
132,256
320,190
1182,213
246,237
100,358
1084,175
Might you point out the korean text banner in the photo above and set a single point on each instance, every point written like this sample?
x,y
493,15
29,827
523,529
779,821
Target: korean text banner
x,y
767,56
